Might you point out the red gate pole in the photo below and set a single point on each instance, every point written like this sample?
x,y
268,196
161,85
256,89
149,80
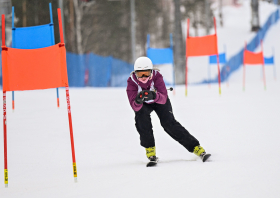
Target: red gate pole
x,y
219,76
68,104
4,108
71,133
186,73
263,67
5,140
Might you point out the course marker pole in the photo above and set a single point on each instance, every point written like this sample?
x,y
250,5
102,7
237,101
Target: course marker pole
x,y
219,76
57,95
4,48
274,66
263,67
68,104
5,139
13,32
51,23
186,73
71,134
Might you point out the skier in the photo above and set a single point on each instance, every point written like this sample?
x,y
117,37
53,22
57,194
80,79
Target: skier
x,y
146,92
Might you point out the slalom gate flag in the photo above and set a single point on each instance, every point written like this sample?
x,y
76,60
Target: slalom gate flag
x,y
30,69
34,68
164,60
253,58
160,56
201,46
269,61
222,59
33,37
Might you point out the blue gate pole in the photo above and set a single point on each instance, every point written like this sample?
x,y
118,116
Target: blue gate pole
x,y
225,49
209,74
53,42
274,66
13,36
148,40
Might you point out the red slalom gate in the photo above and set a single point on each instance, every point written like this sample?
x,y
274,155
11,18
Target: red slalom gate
x,y
21,72
4,60
202,46
251,58
68,102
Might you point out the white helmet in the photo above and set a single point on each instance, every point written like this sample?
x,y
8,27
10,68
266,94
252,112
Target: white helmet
x,y
143,63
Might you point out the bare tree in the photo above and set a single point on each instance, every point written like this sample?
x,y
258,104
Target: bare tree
x,y
221,12
179,56
146,20
81,33
207,16
103,26
255,23
6,8
200,14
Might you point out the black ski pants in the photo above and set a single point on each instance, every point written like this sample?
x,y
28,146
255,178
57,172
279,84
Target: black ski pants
x,y
144,126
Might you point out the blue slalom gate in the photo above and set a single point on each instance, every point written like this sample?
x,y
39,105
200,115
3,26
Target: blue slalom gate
x,y
161,56
33,37
269,61
213,61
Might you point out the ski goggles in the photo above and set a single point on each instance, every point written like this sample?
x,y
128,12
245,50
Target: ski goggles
x,y
143,73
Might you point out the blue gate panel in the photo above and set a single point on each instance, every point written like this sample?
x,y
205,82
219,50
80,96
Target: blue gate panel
x,y
269,61
33,37
160,55
213,59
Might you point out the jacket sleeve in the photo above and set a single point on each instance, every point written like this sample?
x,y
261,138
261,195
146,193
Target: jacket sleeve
x,y
161,89
132,90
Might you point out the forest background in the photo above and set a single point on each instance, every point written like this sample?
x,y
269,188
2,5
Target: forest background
x,y
104,26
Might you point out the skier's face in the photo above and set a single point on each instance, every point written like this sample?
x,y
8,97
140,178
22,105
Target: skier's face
x,y
144,78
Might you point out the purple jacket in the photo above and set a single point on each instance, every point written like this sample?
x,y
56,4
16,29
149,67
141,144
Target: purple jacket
x,y
156,82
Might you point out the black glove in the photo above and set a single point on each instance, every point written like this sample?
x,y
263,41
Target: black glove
x,y
139,98
149,95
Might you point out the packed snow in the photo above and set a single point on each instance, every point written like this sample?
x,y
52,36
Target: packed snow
x,y
239,128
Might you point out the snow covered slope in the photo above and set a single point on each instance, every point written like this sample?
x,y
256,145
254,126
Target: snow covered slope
x,y
240,130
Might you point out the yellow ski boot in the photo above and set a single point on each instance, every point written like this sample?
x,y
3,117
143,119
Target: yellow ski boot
x,y
200,152
151,155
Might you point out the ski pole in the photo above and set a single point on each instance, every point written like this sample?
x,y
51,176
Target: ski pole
x,y
170,89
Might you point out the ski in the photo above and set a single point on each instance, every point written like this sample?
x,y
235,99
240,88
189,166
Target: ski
x,y
205,157
152,163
